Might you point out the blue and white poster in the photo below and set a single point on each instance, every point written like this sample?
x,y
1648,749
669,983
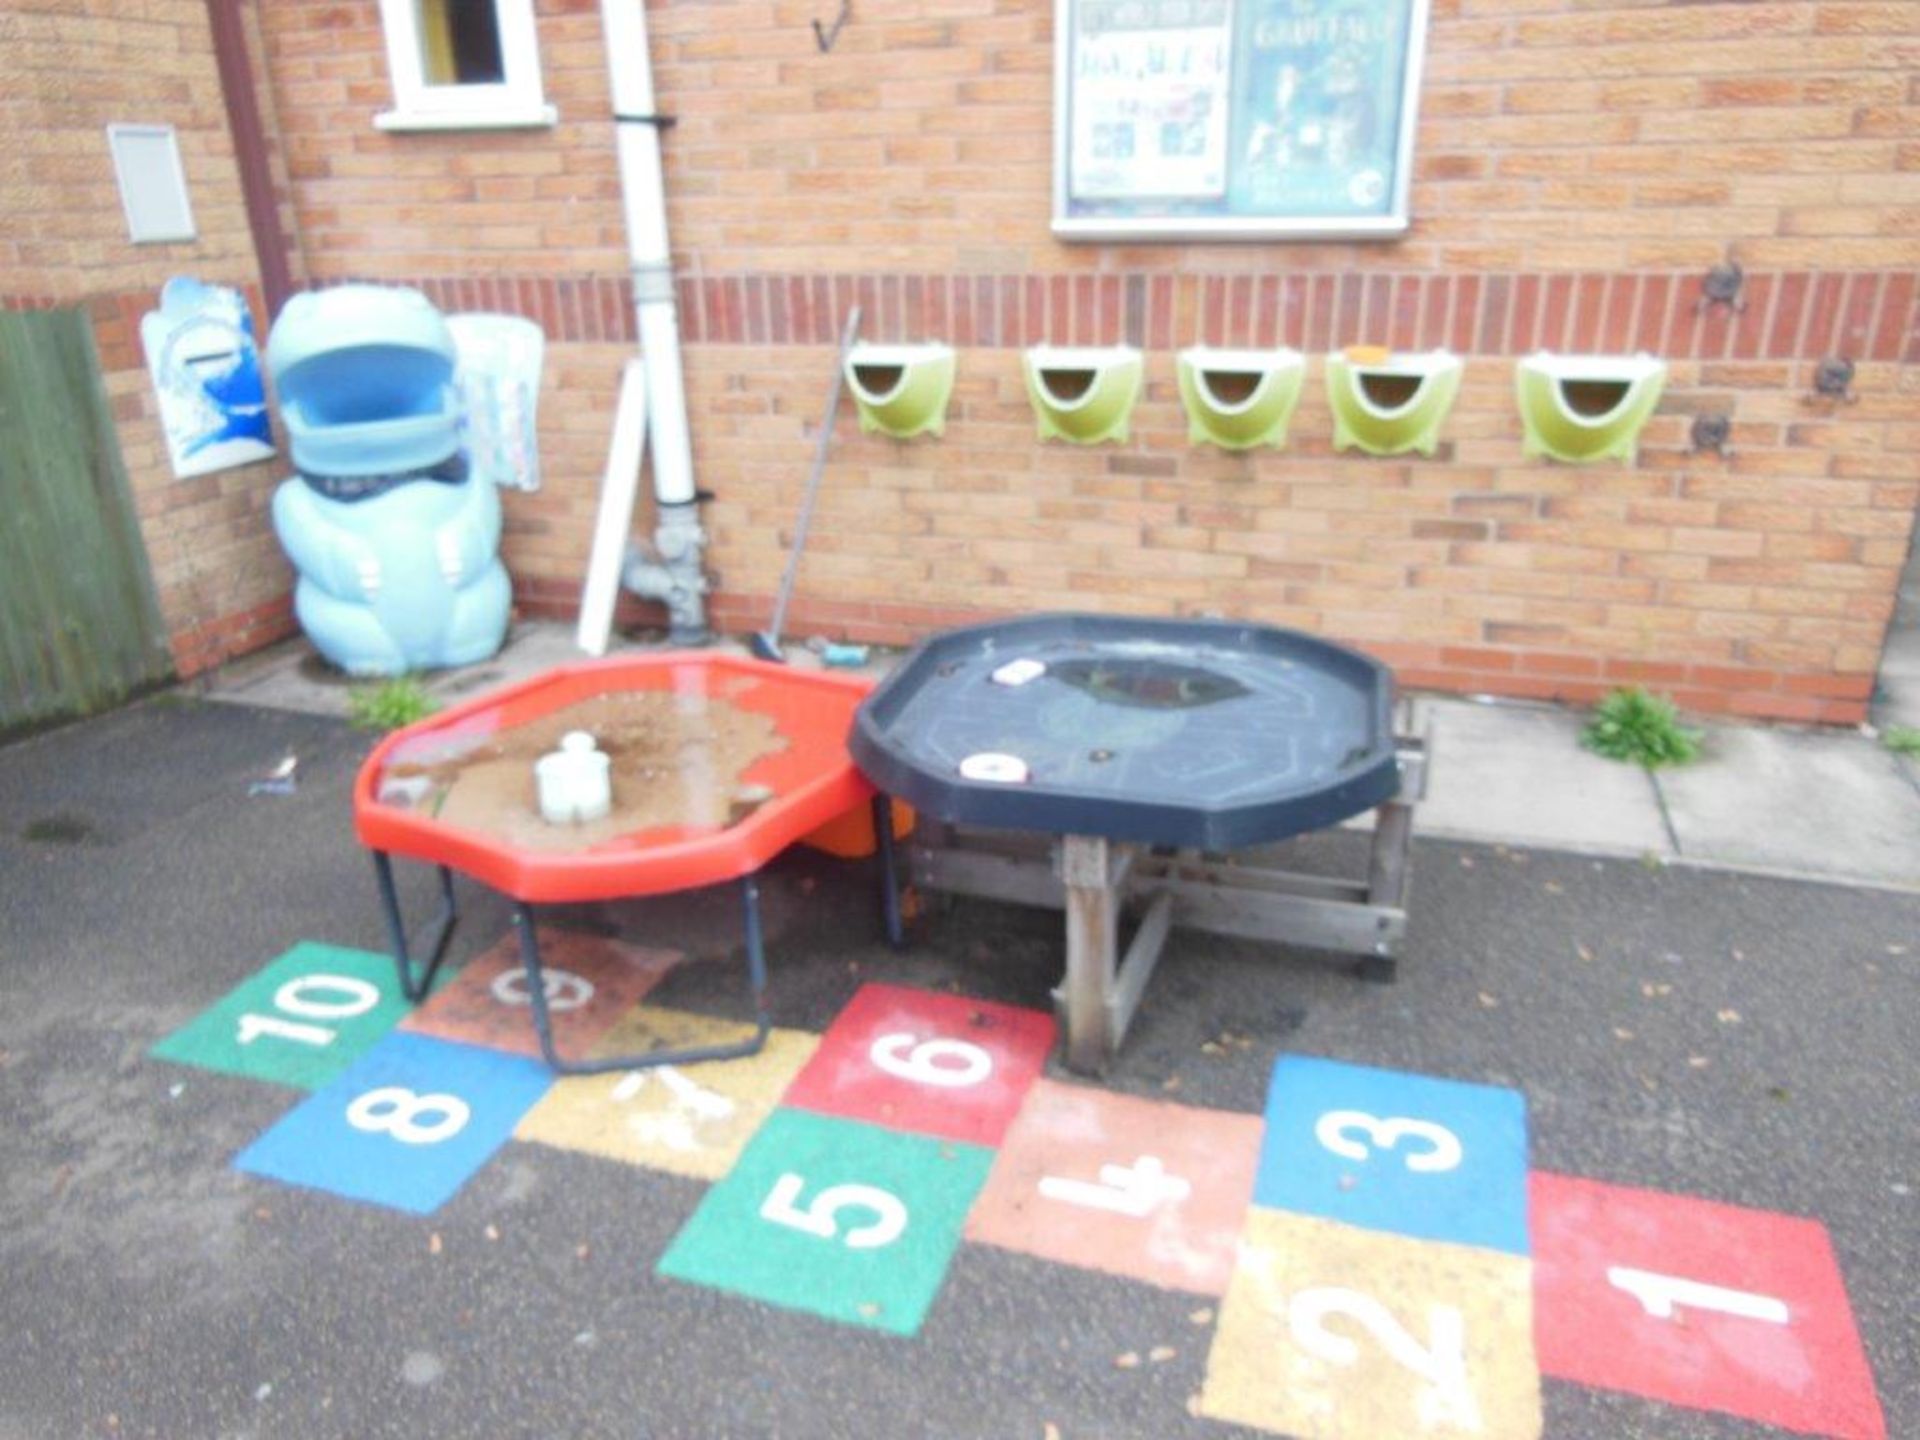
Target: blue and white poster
x,y
206,373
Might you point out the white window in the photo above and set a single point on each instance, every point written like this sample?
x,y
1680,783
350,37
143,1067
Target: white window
x,y
462,65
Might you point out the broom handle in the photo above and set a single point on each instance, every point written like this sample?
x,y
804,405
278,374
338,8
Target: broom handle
x,y
847,339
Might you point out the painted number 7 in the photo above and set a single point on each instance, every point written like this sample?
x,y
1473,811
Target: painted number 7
x,y
1444,1150
817,1218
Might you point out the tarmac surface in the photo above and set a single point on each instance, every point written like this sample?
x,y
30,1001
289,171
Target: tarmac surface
x,y
148,1289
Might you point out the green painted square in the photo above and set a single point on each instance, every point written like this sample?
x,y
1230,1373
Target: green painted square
x,y
300,1021
837,1218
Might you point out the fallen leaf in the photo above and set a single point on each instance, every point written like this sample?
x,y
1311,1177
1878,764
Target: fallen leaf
x,y
433,1243
1209,1047
1193,1405
1488,1001
1582,951
868,1308
1698,1062
1202,1316
582,1250
1128,1361
1729,1017
1620,1034
1161,1353
1896,949
1052,1432
1554,887
1466,862
493,1232
1172,1082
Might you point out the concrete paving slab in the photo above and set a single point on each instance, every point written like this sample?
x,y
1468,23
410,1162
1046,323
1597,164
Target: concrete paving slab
x,y
1517,774
1799,802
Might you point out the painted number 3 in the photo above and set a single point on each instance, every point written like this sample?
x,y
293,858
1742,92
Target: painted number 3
x,y
949,1064
395,1110
817,1216
1336,1127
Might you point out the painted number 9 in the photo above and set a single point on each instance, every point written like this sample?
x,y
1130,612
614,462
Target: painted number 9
x,y
563,989
817,1218
395,1110
1444,1153
949,1064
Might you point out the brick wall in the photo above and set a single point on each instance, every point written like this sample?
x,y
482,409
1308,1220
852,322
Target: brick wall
x,y
1580,165
67,69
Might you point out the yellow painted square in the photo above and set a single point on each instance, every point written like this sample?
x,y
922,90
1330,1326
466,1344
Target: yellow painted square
x,y
1329,1332
692,1121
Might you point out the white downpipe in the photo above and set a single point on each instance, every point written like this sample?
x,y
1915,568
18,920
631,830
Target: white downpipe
x,y
643,197
653,403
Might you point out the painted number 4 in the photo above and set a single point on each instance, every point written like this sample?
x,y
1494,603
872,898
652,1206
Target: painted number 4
x,y
817,1217
1445,1397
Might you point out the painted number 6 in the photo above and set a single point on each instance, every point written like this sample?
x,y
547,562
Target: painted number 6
x,y
921,1063
817,1218
1445,1399
395,1110
1445,1154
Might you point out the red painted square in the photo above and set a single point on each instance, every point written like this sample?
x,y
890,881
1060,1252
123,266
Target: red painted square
x,y
591,983
1139,1188
1619,1305
927,1064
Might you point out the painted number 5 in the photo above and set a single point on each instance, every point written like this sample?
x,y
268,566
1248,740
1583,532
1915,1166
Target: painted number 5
x,y
949,1064
1445,1398
817,1218
1444,1152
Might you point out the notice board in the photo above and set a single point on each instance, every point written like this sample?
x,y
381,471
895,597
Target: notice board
x,y
1235,119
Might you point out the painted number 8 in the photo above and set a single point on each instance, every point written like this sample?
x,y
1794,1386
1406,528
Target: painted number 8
x,y
1445,1153
965,1064
395,1110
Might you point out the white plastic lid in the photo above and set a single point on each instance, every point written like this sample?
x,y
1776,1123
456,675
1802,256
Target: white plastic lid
x,y
995,767
577,742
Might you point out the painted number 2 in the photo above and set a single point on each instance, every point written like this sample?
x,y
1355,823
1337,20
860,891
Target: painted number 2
x,y
395,1110
1445,1397
949,1064
817,1217
338,997
1336,1130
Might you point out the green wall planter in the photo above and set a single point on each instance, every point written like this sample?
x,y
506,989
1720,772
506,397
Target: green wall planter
x,y
1083,395
1391,406
1238,399
1582,408
901,390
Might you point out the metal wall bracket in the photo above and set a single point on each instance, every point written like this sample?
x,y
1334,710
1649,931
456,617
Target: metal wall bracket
x,y
825,35
1711,432
1833,380
1721,286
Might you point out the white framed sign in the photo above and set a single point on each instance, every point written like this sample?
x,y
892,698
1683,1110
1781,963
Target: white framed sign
x,y
1235,119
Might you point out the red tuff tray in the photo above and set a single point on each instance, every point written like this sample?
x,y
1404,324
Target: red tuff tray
x,y
813,780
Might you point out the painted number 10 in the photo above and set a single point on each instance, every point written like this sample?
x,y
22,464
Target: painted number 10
x,y
310,997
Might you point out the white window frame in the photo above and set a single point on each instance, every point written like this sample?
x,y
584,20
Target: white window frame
x,y
516,102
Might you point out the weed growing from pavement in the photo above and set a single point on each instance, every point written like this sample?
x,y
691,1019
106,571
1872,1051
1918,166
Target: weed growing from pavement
x,y
1902,740
390,704
1640,729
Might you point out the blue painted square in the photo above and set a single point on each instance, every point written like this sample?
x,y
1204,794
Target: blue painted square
x,y
1405,1154
404,1125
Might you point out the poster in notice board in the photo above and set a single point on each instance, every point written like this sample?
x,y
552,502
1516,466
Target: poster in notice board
x,y
1235,119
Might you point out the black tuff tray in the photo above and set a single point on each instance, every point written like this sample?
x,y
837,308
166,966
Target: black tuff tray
x,y
1202,734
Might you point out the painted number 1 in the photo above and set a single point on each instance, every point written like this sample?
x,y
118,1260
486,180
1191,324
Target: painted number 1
x,y
354,997
1337,1129
1445,1398
1661,1295
817,1217
948,1064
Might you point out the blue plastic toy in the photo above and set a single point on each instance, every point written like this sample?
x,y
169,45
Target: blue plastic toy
x,y
395,539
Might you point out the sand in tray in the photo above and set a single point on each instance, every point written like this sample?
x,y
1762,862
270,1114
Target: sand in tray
x,y
676,761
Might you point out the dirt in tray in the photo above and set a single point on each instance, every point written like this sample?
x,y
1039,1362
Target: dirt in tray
x,y
677,760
